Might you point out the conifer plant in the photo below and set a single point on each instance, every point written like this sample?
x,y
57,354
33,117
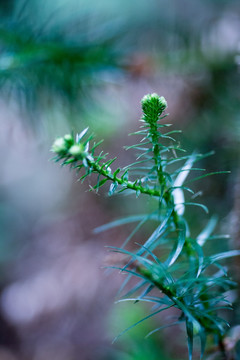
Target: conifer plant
x,y
170,267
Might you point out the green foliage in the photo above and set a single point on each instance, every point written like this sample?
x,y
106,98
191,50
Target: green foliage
x,y
38,65
171,267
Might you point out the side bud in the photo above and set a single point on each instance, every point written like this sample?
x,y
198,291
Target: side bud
x,y
69,140
76,150
59,146
62,144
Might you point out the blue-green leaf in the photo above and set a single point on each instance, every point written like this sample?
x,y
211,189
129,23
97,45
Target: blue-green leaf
x,y
189,327
155,235
209,174
178,246
81,135
134,289
200,254
223,255
207,231
140,321
123,221
162,327
145,292
147,217
197,204
203,339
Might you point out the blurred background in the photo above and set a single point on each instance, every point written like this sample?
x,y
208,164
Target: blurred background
x,y
68,64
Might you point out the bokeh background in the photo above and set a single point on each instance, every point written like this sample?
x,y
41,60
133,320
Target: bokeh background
x,y
68,64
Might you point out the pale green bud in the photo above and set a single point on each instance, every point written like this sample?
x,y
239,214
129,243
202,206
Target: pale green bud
x,y
69,139
76,150
59,146
152,106
62,144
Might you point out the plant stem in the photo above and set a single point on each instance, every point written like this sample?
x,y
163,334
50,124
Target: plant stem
x,y
128,184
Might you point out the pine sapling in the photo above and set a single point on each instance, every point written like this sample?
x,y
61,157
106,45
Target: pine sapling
x,y
185,278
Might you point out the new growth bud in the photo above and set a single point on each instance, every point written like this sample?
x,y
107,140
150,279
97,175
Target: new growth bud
x,y
62,144
76,150
69,139
152,106
59,146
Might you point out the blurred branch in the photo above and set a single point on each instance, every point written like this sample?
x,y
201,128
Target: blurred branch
x,y
31,65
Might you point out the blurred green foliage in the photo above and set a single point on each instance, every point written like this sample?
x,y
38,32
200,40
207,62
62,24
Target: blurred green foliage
x,y
36,67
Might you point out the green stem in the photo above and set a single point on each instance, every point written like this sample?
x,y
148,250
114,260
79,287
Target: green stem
x,y
166,195
162,180
128,184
